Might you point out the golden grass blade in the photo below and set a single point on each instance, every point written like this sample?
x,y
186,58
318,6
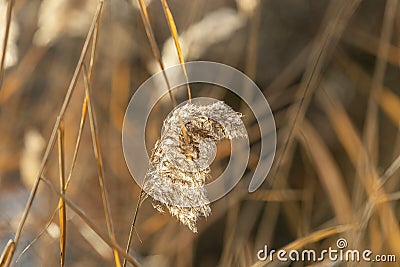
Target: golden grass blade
x,y
391,170
153,45
174,33
100,168
52,139
371,120
6,255
110,242
311,238
337,17
77,142
367,172
394,196
93,51
10,5
77,145
85,101
389,102
73,163
328,172
369,44
61,205
283,80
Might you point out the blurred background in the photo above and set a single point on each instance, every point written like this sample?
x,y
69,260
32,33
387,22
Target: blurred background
x,y
329,69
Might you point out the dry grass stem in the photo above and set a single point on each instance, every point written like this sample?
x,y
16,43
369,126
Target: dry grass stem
x,y
10,5
370,181
371,120
61,205
74,207
329,70
328,171
6,255
57,125
154,47
336,19
100,168
174,33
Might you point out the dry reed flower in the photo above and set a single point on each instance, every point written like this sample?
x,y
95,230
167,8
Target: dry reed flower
x,y
179,165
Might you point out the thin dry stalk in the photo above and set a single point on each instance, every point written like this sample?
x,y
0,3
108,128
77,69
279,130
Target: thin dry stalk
x,y
6,255
353,146
157,55
85,102
132,228
73,163
60,116
232,220
78,141
271,211
74,207
328,172
49,222
390,170
67,182
153,44
371,120
388,101
61,205
174,33
369,44
290,72
10,5
100,168
336,19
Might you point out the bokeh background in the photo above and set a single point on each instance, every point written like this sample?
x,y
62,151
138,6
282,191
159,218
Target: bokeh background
x,y
329,69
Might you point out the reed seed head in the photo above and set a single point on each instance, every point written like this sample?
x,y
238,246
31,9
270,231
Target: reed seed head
x,y
180,163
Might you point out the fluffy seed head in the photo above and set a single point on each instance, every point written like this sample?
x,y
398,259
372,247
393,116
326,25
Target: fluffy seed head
x,y
179,166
